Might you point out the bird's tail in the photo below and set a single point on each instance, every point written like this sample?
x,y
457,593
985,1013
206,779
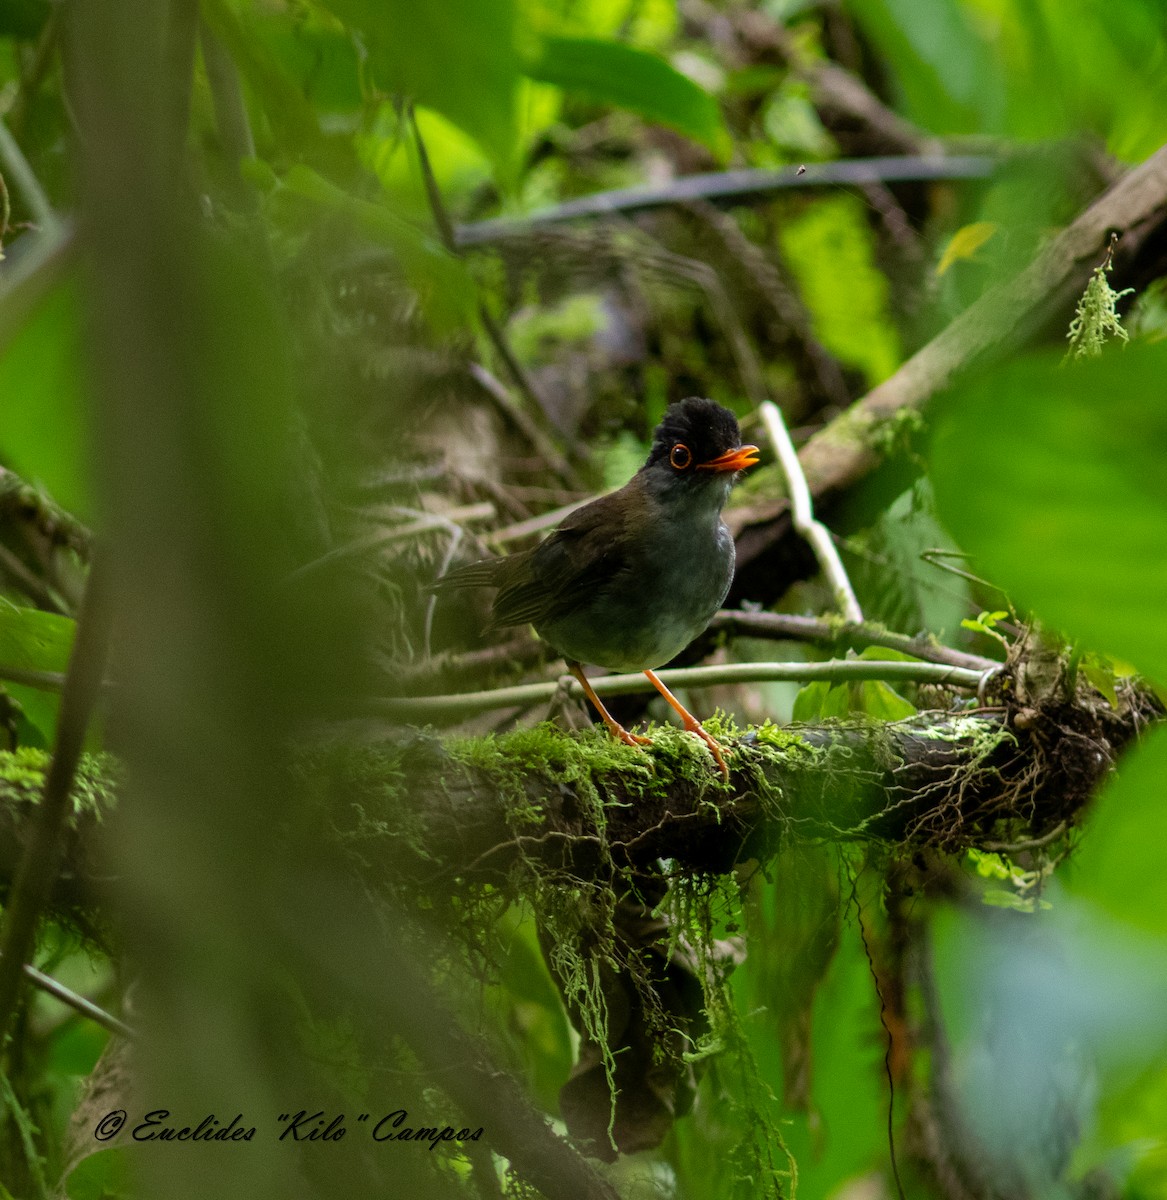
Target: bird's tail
x,y
485,573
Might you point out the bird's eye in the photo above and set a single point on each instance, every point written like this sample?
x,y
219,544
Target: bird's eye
x,y
681,456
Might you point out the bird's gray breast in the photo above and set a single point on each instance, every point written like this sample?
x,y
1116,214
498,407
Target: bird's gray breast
x,y
651,610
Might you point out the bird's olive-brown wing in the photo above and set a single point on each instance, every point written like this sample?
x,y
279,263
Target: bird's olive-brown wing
x,y
592,546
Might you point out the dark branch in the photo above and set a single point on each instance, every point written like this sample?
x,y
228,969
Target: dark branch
x,y
726,185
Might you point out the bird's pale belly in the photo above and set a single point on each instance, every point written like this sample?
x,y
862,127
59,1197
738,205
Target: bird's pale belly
x,y
639,623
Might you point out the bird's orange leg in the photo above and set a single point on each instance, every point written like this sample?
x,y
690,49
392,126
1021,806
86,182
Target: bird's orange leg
x,y
691,722
617,730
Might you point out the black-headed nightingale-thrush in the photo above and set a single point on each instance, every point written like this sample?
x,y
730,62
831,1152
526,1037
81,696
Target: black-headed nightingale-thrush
x,y
629,580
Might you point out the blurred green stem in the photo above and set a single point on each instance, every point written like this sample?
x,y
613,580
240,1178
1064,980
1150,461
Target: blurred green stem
x,y
40,861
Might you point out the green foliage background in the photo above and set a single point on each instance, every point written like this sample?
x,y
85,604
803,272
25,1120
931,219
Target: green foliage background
x,y
162,404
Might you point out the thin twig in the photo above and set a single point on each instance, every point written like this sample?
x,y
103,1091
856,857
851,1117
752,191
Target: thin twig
x,y
513,413
846,671
421,522
37,873
85,1007
816,629
5,213
541,442
1030,844
547,520
44,681
23,178
721,185
802,514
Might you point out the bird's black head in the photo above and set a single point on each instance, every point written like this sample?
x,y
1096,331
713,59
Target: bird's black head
x,y
696,452
697,436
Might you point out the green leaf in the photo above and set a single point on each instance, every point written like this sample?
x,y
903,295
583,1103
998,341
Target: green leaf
x,y
35,641
612,73
1119,864
882,702
284,104
965,242
458,57
1054,479
946,75
44,427
317,54
810,701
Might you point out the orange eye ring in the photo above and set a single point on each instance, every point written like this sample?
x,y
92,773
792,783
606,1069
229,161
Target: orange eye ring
x,y
681,456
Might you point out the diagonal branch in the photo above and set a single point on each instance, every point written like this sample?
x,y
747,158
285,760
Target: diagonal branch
x,y
853,445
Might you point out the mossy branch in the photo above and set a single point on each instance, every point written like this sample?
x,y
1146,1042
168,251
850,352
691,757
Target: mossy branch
x,y
426,811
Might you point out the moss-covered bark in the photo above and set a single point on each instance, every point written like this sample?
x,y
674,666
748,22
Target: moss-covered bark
x,y
429,811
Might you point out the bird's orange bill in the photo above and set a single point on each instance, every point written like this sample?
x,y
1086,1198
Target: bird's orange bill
x,y
732,460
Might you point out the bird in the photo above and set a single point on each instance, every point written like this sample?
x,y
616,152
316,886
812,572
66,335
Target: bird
x,y
627,581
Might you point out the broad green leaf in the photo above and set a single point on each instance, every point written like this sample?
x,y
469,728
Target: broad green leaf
x,y
945,75
811,701
881,701
1119,864
35,641
44,427
458,57
610,72
443,284
284,104
1053,477
318,55
1081,69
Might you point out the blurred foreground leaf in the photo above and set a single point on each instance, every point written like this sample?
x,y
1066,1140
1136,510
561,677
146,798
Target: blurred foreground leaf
x,y
1054,479
458,57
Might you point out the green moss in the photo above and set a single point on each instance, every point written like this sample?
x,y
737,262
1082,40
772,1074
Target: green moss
x,y
95,783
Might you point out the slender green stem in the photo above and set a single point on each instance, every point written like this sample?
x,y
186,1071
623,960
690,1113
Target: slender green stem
x,y
37,873
850,671
85,1007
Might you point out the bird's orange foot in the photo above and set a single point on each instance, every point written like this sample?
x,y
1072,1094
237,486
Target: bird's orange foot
x,y
694,726
629,739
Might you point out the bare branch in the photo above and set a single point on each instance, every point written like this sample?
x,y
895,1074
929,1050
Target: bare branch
x,y
743,184
802,514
